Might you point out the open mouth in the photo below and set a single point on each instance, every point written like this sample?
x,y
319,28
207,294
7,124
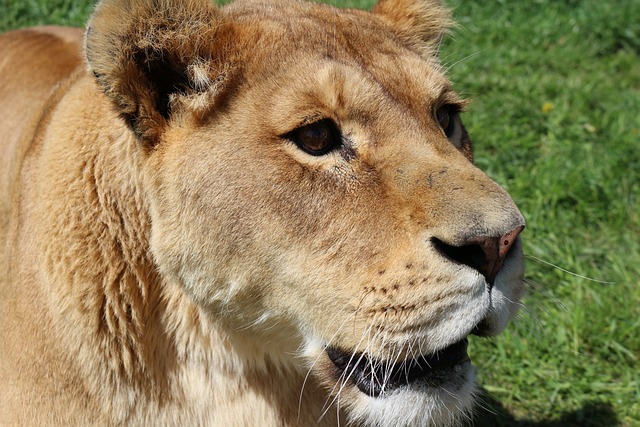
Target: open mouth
x,y
375,377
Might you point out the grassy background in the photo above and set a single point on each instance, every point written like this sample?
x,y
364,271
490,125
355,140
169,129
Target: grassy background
x,y
556,120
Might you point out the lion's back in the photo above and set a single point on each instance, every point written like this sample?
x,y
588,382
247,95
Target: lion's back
x,y
32,63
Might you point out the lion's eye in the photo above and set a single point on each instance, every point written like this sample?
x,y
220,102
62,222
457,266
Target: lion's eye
x,y
317,138
445,118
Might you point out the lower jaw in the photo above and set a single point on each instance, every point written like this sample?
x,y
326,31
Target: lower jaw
x,y
438,401
445,381
438,370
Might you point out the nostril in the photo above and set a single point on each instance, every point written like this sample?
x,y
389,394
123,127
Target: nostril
x,y
470,255
482,253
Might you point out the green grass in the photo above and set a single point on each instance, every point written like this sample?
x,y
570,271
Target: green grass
x,y
23,13
556,120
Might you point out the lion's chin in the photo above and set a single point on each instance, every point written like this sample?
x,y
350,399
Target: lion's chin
x,y
445,399
430,390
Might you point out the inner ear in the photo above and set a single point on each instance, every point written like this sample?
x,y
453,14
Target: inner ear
x,y
148,55
166,76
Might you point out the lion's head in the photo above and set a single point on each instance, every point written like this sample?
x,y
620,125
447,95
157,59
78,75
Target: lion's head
x,y
310,181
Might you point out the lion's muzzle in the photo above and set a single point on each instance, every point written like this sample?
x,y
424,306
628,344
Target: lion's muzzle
x,y
483,253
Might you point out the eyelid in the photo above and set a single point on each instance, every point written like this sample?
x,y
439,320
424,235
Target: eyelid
x,y
309,119
452,99
453,107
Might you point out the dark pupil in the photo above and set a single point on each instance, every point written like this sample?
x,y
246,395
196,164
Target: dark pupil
x,y
315,137
443,119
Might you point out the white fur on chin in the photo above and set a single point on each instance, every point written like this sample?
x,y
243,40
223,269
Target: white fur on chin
x,y
419,405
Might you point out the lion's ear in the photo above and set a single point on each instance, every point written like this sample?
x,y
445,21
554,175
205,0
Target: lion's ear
x,y
422,23
150,55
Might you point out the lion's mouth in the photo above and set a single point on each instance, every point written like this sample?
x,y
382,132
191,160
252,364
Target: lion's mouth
x,y
375,377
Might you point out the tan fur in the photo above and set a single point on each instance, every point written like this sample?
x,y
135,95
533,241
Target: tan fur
x,y
170,257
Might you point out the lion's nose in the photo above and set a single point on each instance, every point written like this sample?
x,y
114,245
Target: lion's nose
x,y
483,253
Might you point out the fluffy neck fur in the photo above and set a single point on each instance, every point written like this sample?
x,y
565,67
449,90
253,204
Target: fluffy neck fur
x,y
148,354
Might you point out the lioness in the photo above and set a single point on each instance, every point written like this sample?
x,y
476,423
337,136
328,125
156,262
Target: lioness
x,y
264,214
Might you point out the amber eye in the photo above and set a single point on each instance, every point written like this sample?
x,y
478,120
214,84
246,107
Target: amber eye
x,y
445,115
316,138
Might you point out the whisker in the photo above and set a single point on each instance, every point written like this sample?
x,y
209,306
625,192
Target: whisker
x,y
484,405
461,412
344,377
448,67
545,292
318,358
541,261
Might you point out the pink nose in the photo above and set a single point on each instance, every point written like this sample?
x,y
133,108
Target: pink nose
x,y
483,253
495,251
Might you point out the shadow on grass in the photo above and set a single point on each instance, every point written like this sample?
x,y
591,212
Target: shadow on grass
x,y
492,413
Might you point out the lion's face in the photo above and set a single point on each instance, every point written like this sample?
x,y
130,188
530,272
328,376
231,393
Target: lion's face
x,y
323,183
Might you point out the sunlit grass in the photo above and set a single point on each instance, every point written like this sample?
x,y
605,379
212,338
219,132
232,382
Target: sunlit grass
x,y
556,120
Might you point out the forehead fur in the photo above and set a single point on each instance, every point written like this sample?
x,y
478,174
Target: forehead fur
x,y
370,47
417,25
